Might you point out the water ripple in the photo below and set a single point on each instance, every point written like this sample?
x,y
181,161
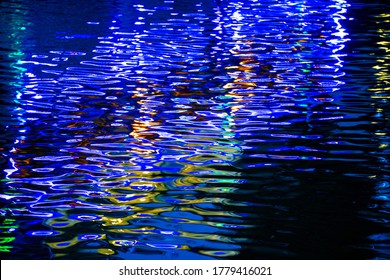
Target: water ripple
x,y
204,130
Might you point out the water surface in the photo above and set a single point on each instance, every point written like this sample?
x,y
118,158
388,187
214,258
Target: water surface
x,y
198,130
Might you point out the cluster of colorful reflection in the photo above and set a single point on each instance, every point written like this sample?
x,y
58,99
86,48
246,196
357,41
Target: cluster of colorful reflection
x,y
190,130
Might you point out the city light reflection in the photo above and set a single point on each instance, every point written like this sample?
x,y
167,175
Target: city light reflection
x,y
207,129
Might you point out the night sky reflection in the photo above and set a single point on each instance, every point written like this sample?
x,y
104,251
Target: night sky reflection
x,y
197,130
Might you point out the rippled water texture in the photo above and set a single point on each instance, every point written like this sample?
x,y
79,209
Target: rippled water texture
x,y
196,129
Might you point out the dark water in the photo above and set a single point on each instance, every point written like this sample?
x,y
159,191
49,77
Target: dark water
x,y
194,129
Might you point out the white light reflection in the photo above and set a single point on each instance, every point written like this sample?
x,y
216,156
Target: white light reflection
x,y
296,52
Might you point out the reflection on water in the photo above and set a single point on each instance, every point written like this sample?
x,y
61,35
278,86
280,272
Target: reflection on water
x,y
379,207
210,129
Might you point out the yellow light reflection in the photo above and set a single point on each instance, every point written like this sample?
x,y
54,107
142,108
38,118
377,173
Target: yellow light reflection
x,y
382,87
381,90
